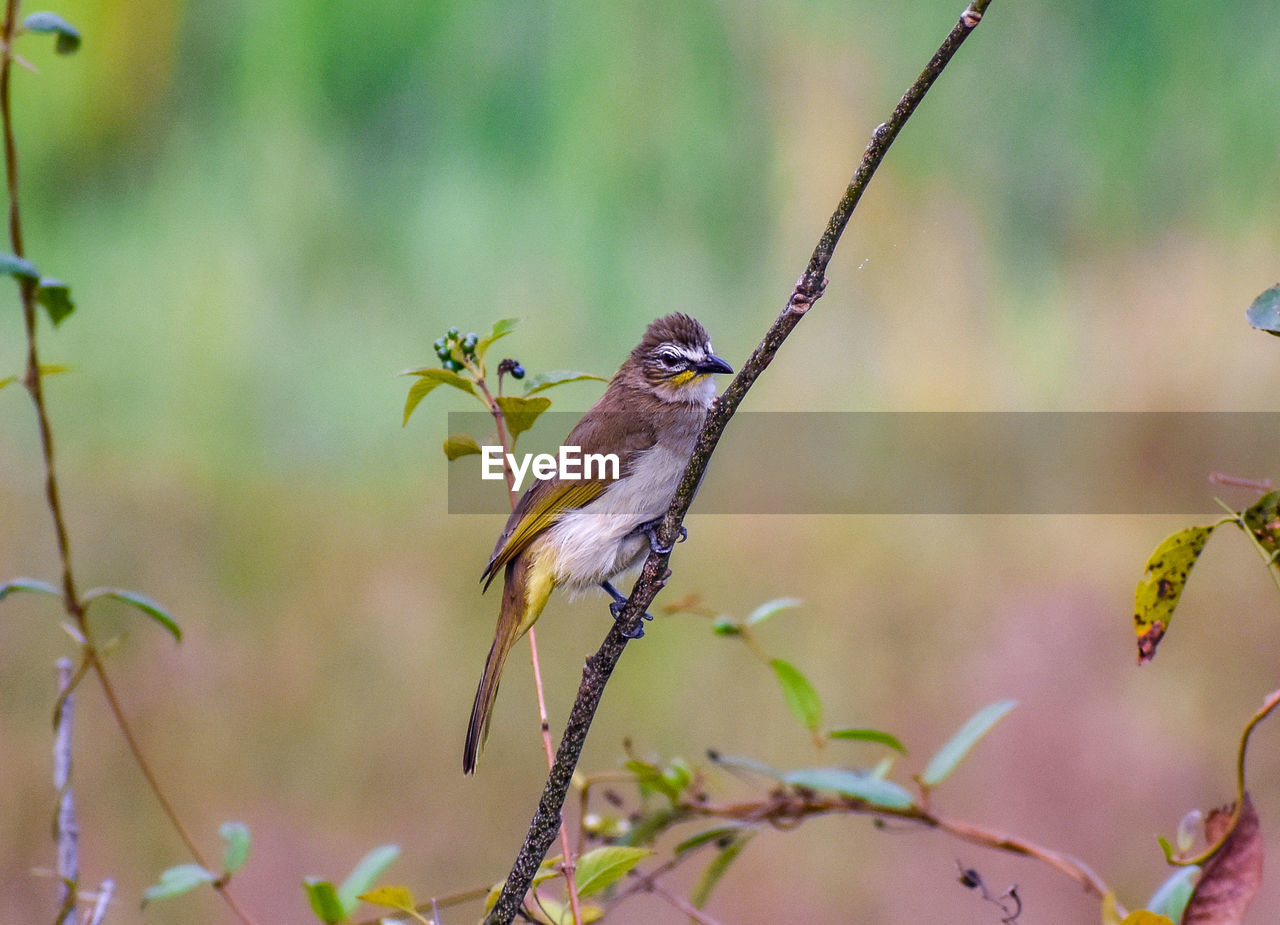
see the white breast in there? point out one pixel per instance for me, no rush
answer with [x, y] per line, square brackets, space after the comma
[600, 541]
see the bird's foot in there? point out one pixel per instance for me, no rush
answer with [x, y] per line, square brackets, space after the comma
[651, 530]
[615, 610]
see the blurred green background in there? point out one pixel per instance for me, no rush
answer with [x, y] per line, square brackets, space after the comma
[267, 210]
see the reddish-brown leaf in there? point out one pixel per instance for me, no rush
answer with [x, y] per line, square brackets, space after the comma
[1231, 877]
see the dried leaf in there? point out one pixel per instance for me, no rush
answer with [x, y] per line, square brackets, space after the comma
[1233, 875]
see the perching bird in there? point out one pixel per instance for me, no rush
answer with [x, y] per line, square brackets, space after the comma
[580, 534]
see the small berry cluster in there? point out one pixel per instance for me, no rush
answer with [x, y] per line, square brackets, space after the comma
[465, 345]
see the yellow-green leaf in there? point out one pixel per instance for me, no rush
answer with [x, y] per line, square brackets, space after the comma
[429, 378]
[869, 735]
[801, 697]
[1143, 917]
[1161, 586]
[458, 445]
[549, 380]
[1110, 912]
[392, 897]
[601, 867]
[520, 413]
[500, 329]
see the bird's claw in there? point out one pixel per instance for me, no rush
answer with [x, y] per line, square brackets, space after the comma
[616, 608]
[651, 531]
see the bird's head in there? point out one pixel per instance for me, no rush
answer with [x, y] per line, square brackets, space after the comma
[674, 361]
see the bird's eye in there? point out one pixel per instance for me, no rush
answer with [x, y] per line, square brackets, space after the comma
[669, 358]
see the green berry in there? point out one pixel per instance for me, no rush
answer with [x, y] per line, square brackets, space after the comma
[452, 365]
[453, 334]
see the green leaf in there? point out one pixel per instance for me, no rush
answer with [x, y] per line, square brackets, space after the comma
[429, 378]
[361, 880]
[951, 754]
[1172, 896]
[30, 585]
[599, 868]
[769, 608]
[720, 833]
[459, 445]
[324, 900]
[1161, 586]
[178, 880]
[650, 776]
[7, 380]
[68, 35]
[500, 329]
[55, 296]
[549, 380]
[143, 603]
[868, 735]
[236, 835]
[399, 898]
[678, 774]
[854, 784]
[646, 828]
[801, 697]
[520, 413]
[1264, 313]
[19, 267]
[716, 869]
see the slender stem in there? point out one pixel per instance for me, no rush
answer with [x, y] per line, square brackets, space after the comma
[500, 420]
[71, 600]
[783, 809]
[546, 820]
[27, 288]
[131, 741]
[544, 721]
[65, 827]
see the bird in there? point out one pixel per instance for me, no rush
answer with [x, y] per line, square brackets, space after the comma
[582, 534]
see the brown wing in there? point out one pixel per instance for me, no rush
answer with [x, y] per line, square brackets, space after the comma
[603, 429]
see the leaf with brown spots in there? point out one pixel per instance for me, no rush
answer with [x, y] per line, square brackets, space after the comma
[1263, 520]
[1233, 874]
[1161, 586]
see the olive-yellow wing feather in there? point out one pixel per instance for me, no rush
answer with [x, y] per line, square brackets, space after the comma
[537, 511]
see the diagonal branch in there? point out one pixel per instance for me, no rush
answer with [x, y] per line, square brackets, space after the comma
[546, 820]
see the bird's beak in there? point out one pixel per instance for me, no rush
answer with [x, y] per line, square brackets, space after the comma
[713, 364]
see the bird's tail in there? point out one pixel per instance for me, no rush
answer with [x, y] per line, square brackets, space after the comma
[524, 594]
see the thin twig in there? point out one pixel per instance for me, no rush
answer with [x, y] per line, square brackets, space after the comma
[785, 808]
[544, 721]
[67, 832]
[100, 903]
[599, 667]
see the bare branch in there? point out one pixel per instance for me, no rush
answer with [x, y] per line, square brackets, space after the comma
[809, 288]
